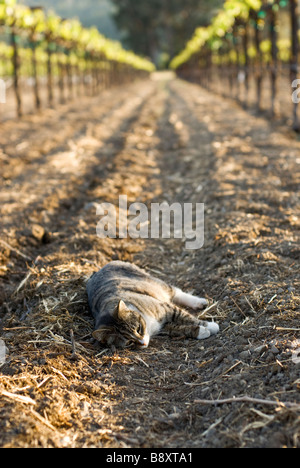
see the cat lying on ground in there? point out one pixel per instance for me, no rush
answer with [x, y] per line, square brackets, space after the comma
[130, 306]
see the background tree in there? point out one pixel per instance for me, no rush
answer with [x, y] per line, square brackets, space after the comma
[159, 29]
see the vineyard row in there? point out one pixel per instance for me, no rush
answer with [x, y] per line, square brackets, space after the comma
[251, 47]
[46, 49]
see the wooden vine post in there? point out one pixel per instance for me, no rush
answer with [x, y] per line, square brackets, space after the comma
[246, 62]
[274, 55]
[233, 66]
[35, 77]
[238, 70]
[294, 13]
[16, 69]
[49, 69]
[210, 71]
[61, 79]
[70, 73]
[258, 61]
[33, 44]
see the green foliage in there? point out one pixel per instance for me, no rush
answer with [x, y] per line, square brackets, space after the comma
[96, 13]
[220, 31]
[68, 35]
[154, 28]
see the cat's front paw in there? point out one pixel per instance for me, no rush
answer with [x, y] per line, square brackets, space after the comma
[207, 330]
[213, 328]
[203, 333]
[198, 303]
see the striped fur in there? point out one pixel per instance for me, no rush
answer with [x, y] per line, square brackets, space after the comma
[129, 305]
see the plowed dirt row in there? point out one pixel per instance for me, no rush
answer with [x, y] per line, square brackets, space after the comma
[154, 141]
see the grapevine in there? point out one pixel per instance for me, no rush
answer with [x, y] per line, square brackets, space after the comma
[243, 41]
[41, 45]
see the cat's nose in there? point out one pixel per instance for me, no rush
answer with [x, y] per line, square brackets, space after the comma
[144, 342]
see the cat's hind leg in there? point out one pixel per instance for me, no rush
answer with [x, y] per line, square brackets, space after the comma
[188, 300]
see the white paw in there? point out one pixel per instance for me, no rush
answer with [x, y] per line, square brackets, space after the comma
[203, 333]
[198, 303]
[213, 328]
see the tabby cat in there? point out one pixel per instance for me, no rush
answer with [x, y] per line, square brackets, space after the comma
[130, 306]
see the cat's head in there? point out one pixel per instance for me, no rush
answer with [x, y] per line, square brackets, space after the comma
[128, 327]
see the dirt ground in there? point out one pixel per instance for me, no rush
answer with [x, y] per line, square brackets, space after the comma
[154, 141]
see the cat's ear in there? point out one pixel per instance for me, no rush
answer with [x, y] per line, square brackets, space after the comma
[122, 310]
[100, 334]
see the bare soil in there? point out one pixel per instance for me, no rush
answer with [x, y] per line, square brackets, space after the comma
[154, 141]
